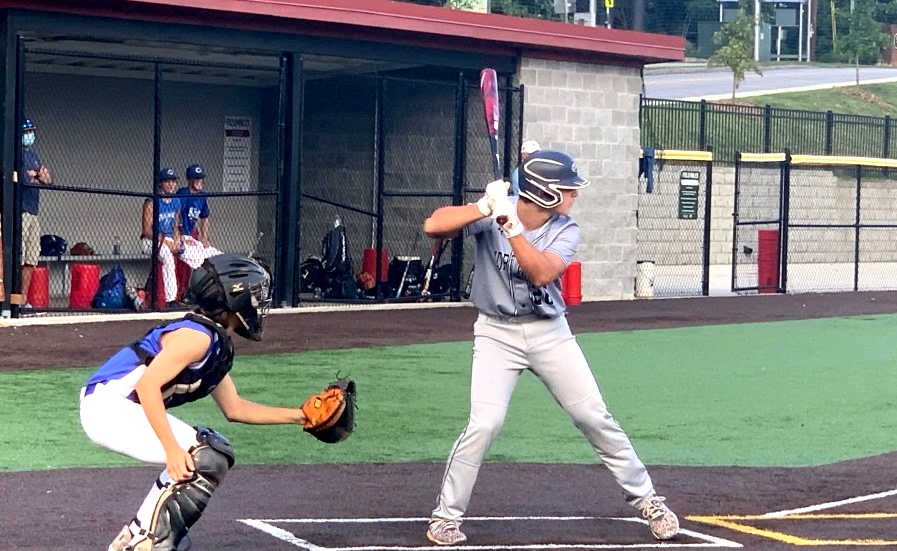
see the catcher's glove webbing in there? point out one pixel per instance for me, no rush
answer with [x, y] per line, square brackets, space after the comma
[330, 414]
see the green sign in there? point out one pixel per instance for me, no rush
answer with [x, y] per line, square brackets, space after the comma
[689, 189]
[608, 3]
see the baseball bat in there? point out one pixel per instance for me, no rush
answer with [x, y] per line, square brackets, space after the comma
[492, 117]
[491, 114]
[439, 246]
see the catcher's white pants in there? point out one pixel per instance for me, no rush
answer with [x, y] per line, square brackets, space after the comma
[118, 424]
[501, 351]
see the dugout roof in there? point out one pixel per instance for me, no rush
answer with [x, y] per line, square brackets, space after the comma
[397, 23]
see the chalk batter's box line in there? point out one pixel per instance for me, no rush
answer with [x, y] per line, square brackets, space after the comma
[736, 522]
[267, 526]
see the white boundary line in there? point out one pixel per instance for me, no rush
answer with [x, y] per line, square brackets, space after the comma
[830, 504]
[164, 315]
[265, 525]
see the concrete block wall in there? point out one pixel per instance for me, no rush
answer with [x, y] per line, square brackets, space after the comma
[591, 112]
[819, 195]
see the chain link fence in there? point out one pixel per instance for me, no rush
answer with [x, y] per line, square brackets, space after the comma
[675, 196]
[375, 167]
[815, 223]
[88, 229]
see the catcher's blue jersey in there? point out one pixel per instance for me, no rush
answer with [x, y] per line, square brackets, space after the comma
[195, 381]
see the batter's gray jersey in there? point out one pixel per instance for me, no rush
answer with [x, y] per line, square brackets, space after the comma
[500, 287]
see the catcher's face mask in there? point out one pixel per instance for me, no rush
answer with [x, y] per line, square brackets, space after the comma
[252, 318]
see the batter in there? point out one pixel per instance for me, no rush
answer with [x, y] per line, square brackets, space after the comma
[522, 325]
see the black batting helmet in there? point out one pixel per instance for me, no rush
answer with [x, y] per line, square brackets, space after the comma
[546, 172]
[233, 283]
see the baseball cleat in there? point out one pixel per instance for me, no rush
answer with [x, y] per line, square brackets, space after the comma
[664, 523]
[121, 541]
[445, 532]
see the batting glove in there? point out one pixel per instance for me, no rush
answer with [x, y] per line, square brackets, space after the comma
[505, 215]
[495, 190]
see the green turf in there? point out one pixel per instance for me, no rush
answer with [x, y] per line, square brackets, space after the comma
[785, 393]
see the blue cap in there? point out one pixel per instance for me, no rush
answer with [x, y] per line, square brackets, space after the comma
[28, 125]
[195, 172]
[167, 174]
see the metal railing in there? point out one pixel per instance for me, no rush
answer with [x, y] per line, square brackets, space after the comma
[727, 128]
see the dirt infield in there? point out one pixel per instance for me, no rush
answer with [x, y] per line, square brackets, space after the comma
[381, 507]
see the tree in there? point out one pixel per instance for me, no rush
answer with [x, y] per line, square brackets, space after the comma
[864, 41]
[736, 41]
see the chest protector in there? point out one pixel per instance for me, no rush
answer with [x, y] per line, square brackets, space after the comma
[191, 384]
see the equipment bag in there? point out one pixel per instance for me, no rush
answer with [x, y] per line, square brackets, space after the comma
[111, 292]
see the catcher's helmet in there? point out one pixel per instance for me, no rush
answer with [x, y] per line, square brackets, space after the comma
[235, 283]
[546, 172]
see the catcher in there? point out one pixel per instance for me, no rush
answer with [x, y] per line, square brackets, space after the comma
[125, 404]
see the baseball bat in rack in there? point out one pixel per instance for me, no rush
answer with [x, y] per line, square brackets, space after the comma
[2, 286]
[439, 246]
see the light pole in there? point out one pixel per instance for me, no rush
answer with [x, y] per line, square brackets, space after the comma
[756, 30]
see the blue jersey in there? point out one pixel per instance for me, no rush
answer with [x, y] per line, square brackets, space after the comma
[169, 207]
[122, 371]
[193, 207]
[515, 181]
[30, 195]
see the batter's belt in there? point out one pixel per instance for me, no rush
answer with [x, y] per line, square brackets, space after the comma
[515, 319]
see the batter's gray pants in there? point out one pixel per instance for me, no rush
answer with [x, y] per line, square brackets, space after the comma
[501, 351]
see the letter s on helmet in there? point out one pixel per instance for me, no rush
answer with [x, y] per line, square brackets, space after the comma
[545, 173]
[235, 283]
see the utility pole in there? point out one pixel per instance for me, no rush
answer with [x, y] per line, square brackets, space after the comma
[810, 29]
[756, 30]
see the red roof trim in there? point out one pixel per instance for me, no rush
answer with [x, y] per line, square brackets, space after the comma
[462, 27]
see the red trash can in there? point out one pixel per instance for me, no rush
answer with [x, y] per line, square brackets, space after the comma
[39, 290]
[369, 263]
[85, 282]
[571, 284]
[768, 261]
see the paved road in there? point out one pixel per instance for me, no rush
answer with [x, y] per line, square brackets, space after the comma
[698, 83]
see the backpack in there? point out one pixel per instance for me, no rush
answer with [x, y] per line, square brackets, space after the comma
[111, 292]
[338, 278]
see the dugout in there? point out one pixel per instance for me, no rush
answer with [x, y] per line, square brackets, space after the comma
[300, 112]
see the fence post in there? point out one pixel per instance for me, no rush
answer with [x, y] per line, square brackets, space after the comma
[767, 128]
[458, 178]
[829, 131]
[784, 222]
[708, 219]
[886, 138]
[702, 130]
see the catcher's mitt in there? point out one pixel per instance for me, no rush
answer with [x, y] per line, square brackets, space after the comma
[330, 414]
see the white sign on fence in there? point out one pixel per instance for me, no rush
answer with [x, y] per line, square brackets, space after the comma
[237, 154]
